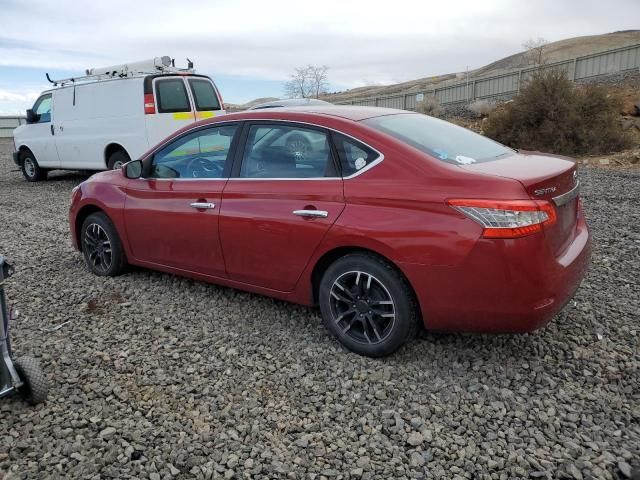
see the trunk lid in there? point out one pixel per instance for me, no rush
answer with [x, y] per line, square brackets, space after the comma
[544, 177]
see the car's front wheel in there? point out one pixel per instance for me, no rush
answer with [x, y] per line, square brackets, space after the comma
[367, 304]
[101, 246]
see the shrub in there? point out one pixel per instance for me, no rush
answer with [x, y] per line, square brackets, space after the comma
[551, 114]
[481, 108]
[430, 106]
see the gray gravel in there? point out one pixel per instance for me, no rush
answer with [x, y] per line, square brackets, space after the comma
[161, 377]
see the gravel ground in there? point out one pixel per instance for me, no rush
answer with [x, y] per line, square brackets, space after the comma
[161, 377]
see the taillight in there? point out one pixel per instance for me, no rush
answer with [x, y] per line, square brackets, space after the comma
[149, 103]
[507, 218]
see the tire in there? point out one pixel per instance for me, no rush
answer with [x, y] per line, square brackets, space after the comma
[117, 159]
[34, 387]
[30, 169]
[101, 246]
[385, 314]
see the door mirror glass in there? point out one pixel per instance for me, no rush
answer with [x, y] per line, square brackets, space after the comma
[133, 169]
[31, 116]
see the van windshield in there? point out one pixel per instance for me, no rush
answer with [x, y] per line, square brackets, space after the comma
[439, 139]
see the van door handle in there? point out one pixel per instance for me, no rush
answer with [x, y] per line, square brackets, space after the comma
[203, 205]
[311, 213]
[52, 130]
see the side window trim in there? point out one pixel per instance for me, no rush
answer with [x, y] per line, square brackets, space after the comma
[242, 146]
[229, 162]
[158, 97]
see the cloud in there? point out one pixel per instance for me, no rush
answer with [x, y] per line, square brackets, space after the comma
[362, 42]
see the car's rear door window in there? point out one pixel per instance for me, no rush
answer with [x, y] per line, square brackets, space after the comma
[171, 95]
[287, 151]
[204, 94]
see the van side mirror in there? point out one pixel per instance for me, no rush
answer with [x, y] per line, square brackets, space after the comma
[32, 117]
[133, 169]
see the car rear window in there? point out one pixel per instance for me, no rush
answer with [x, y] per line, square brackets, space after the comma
[442, 140]
[172, 96]
[204, 94]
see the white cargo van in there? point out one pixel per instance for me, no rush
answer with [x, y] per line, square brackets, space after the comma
[110, 116]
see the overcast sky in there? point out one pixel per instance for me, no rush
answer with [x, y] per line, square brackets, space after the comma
[251, 46]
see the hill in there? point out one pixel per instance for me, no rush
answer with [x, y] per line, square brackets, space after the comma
[554, 51]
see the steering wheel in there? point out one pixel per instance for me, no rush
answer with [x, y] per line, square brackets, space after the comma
[201, 167]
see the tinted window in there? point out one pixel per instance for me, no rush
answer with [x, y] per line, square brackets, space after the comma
[202, 154]
[204, 94]
[284, 151]
[440, 139]
[42, 108]
[172, 96]
[354, 156]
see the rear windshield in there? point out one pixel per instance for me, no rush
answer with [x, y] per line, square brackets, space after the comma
[172, 96]
[440, 139]
[204, 95]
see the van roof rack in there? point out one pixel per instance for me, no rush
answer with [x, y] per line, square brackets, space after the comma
[154, 65]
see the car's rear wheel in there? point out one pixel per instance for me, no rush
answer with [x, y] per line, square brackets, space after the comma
[117, 159]
[30, 169]
[101, 246]
[367, 304]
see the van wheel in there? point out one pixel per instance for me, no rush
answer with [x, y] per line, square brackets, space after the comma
[117, 160]
[30, 168]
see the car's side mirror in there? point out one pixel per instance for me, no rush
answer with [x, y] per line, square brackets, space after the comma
[32, 117]
[133, 169]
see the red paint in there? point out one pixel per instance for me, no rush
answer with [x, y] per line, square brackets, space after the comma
[399, 209]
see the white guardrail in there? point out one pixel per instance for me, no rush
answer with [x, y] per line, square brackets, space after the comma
[8, 123]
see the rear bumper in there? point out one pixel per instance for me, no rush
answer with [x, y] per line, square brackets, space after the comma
[16, 158]
[503, 285]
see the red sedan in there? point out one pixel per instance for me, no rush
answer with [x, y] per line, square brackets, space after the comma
[386, 219]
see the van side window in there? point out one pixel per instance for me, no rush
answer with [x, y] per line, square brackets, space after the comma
[354, 156]
[42, 108]
[204, 94]
[172, 96]
[201, 154]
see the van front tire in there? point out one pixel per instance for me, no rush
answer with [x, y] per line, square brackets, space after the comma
[117, 160]
[31, 171]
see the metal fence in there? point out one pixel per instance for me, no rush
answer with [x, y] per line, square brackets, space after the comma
[508, 84]
[8, 123]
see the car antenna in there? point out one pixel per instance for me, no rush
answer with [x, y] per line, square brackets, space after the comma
[189, 64]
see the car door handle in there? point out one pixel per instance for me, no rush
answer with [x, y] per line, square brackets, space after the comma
[203, 205]
[311, 213]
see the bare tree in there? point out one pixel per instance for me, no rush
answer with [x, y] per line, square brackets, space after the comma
[536, 50]
[307, 82]
[319, 80]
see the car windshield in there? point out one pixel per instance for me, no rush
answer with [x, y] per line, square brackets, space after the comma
[442, 140]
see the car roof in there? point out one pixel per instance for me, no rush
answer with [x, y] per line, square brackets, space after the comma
[289, 102]
[348, 112]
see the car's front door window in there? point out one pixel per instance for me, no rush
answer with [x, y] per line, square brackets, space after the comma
[202, 154]
[287, 151]
[42, 108]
